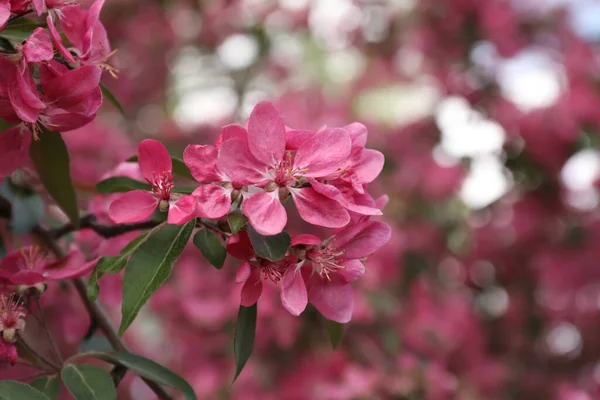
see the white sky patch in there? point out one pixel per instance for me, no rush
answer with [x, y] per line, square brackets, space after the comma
[238, 51]
[344, 66]
[530, 80]
[578, 175]
[486, 182]
[564, 339]
[465, 132]
[398, 105]
[331, 20]
[585, 19]
[205, 106]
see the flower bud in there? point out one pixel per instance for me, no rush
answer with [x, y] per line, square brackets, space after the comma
[226, 185]
[283, 193]
[163, 206]
[235, 194]
[270, 187]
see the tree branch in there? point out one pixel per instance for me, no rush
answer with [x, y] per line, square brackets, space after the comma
[97, 314]
[106, 231]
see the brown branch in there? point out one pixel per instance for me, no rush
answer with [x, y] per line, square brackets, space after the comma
[97, 313]
[106, 231]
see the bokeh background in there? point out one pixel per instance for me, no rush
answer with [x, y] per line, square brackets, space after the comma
[488, 113]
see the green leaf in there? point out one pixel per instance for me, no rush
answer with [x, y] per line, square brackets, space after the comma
[148, 369]
[211, 247]
[88, 382]
[51, 160]
[112, 265]
[179, 167]
[27, 207]
[236, 221]
[119, 184]
[149, 266]
[243, 341]
[108, 94]
[272, 248]
[11, 390]
[183, 189]
[335, 331]
[48, 385]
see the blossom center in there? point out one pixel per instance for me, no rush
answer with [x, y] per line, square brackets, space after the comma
[285, 174]
[325, 261]
[162, 184]
[11, 313]
[272, 271]
[32, 258]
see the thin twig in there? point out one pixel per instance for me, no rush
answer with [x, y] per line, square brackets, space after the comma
[106, 231]
[48, 334]
[41, 358]
[94, 309]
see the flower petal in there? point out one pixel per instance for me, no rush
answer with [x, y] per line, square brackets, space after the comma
[133, 206]
[239, 246]
[58, 41]
[153, 159]
[23, 97]
[14, 149]
[182, 210]
[38, 47]
[305, 239]
[266, 133]
[73, 87]
[358, 133]
[294, 296]
[367, 165]
[363, 238]
[239, 165]
[243, 273]
[214, 201]
[334, 301]
[265, 212]
[320, 210]
[295, 138]
[334, 193]
[324, 153]
[353, 269]
[252, 288]
[74, 266]
[202, 162]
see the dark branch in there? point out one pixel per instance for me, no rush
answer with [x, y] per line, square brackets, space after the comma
[106, 231]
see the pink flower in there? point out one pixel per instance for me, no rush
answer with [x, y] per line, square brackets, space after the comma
[334, 263]
[262, 160]
[86, 33]
[12, 320]
[70, 97]
[137, 205]
[252, 273]
[30, 266]
[215, 196]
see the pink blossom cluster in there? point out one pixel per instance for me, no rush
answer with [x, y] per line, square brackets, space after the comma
[256, 169]
[43, 91]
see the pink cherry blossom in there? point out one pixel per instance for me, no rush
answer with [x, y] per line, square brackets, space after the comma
[86, 33]
[333, 264]
[30, 266]
[263, 161]
[137, 205]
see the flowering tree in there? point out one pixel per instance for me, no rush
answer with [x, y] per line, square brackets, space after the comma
[200, 201]
[51, 84]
